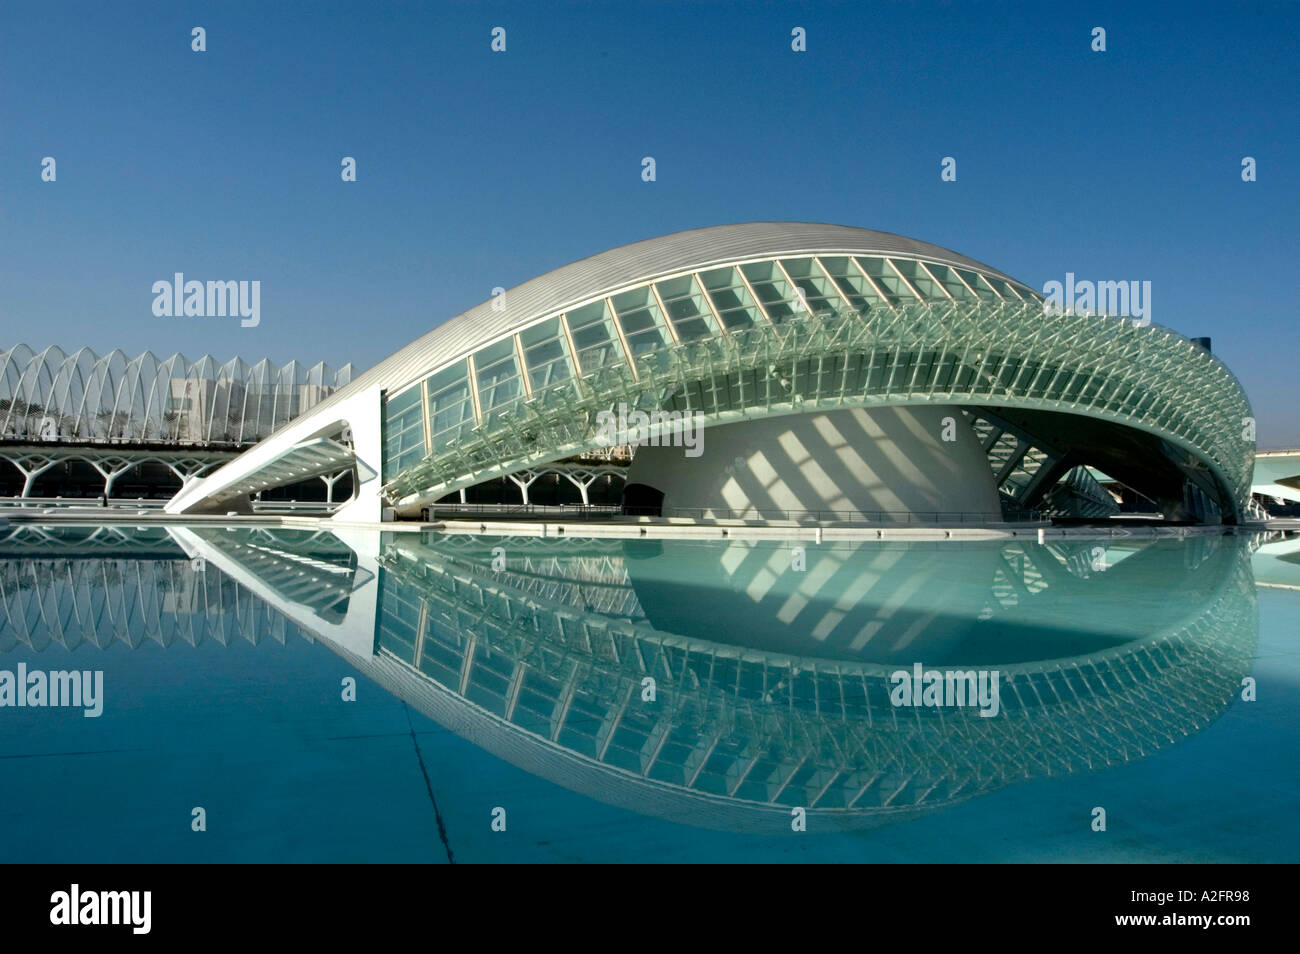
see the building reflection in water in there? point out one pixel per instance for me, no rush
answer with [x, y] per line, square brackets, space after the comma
[770, 665]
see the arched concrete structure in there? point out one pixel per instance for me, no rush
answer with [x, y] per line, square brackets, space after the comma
[744, 323]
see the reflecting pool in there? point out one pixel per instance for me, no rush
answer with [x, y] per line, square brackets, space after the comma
[294, 695]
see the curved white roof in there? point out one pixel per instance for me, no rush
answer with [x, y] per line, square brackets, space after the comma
[602, 273]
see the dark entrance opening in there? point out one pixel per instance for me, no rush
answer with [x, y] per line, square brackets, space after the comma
[642, 500]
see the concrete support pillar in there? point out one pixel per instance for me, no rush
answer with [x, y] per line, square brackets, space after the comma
[110, 469]
[582, 485]
[329, 480]
[39, 466]
[522, 484]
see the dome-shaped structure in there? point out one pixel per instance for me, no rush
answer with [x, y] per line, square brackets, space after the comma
[797, 343]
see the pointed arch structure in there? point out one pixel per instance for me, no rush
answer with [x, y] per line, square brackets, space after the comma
[116, 412]
[52, 396]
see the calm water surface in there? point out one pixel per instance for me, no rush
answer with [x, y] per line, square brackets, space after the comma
[647, 701]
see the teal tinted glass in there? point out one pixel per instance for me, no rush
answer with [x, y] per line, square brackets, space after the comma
[638, 316]
[498, 376]
[887, 280]
[853, 285]
[734, 304]
[451, 407]
[594, 337]
[818, 290]
[774, 292]
[546, 353]
[920, 279]
[403, 430]
[687, 309]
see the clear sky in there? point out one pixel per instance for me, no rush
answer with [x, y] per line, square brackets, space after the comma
[477, 169]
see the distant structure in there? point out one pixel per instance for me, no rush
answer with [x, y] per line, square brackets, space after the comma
[1276, 481]
[85, 425]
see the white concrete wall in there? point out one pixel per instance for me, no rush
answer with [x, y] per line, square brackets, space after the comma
[362, 412]
[879, 459]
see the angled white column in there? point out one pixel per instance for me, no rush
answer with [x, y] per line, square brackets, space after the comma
[257, 468]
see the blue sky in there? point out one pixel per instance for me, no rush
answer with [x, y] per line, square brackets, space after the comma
[478, 169]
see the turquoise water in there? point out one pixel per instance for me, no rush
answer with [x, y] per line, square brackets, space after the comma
[504, 679]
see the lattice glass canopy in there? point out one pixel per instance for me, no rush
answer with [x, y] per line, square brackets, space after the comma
[796, 333]
[51, 396]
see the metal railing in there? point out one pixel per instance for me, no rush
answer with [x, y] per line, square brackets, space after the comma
[600, 512]
[566, 511]
[154, 503]
[931, 518]
[119, 503]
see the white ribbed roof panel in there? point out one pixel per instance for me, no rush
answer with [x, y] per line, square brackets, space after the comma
[600, 274]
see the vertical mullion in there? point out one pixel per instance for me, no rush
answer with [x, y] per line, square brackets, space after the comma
[904, 279]
[573, 349]
[713, 309]
[663, 310]
[934, 278]
[523, 368]
[622, 338]
[880, 290]
[428, 418]
[472, 372]
[758, 302]
[799, 294]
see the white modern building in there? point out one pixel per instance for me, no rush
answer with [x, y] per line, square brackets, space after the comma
[833, 371]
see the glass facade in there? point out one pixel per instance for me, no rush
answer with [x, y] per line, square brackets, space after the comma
[451, 405]
[639, 317]
[594, 336]
[632, 325]
[51, 396]
[404, 429]
[499, 378]
[546, 353]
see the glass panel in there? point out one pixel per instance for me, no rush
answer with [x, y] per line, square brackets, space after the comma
[894, 287]
[451, 407]
[773, 291]
[1002, 288]
[498, 377]
[948, 278]
[982, 288]
[855, 289]
[594, 337]
[731, 298]
[403, 431]
[638, 315]
[546, 353]
[687, 309]
[819, 292]
[920, 278]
